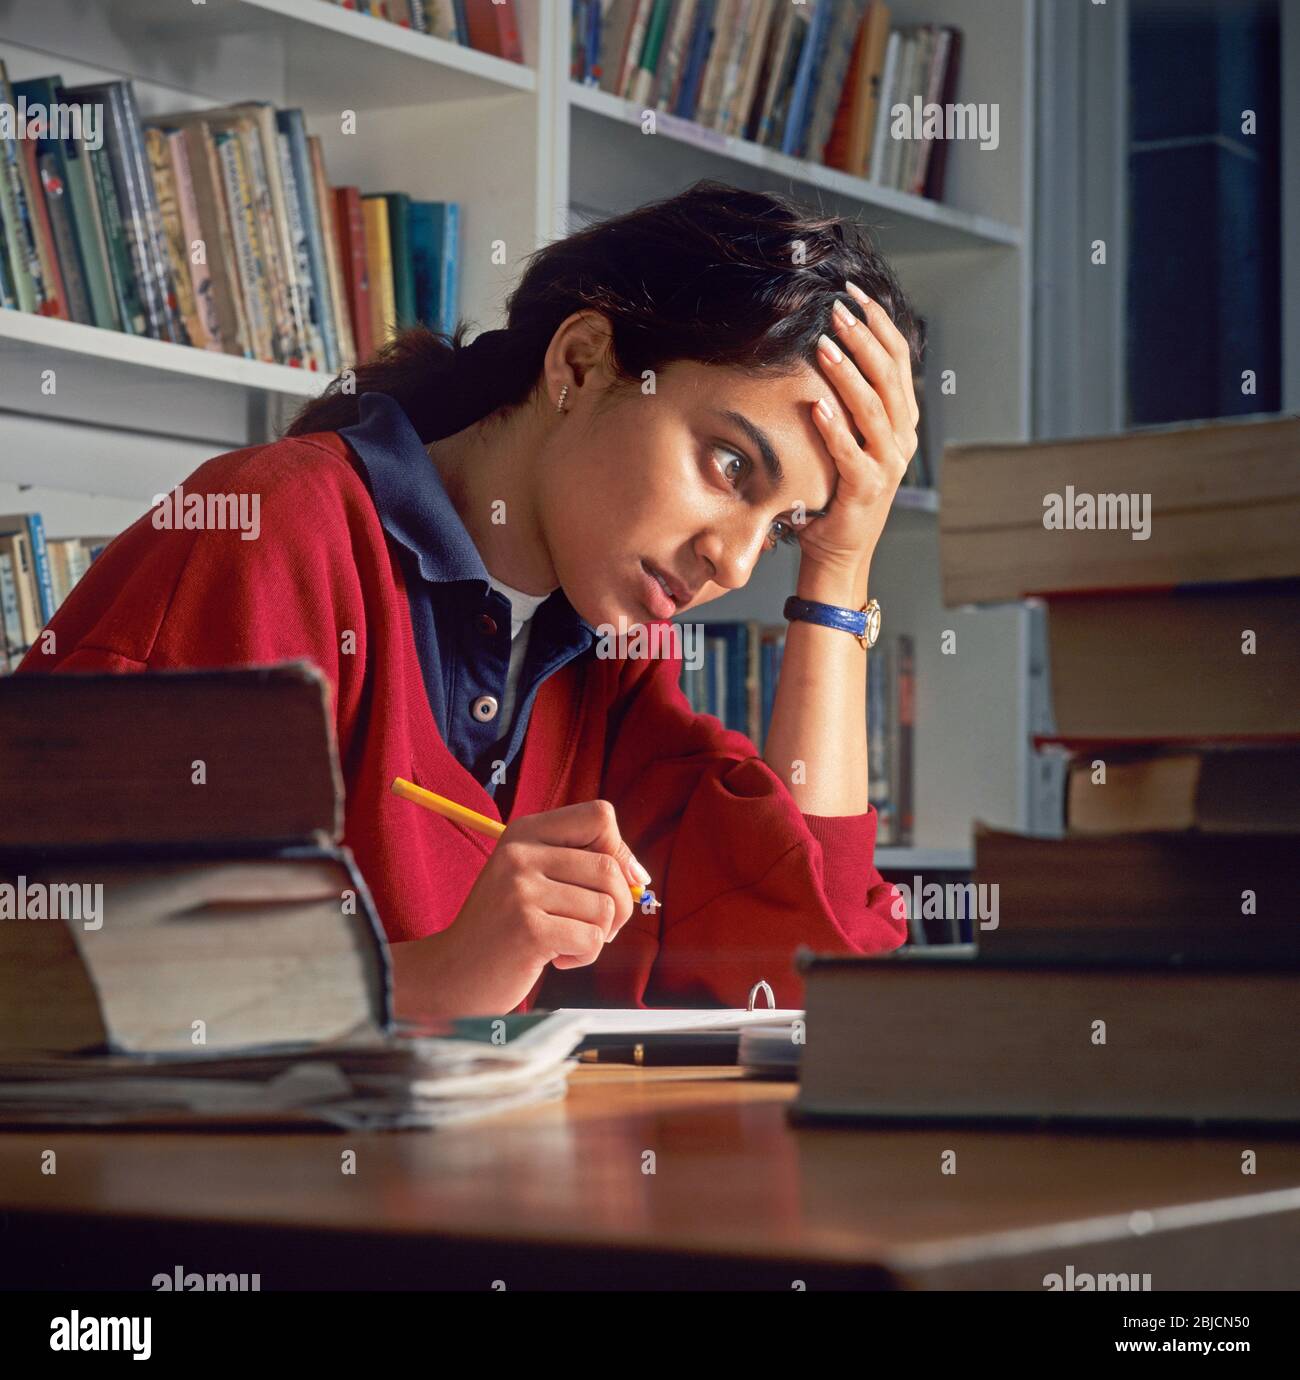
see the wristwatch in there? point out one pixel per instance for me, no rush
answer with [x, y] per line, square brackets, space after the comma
[863, 623]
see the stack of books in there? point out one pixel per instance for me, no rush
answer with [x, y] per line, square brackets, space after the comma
[182, 939]
[213, 228]
[829, 82]
[488, 26]
[36, 575]
[1170, 574]
[1144, 964]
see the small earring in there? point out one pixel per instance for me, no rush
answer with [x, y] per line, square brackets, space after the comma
[564, 393]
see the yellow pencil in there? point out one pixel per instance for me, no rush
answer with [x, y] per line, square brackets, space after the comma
[462, 814]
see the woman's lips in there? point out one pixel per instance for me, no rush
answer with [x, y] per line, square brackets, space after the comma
[654, 596]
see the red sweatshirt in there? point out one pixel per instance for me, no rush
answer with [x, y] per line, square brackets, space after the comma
[743, 875]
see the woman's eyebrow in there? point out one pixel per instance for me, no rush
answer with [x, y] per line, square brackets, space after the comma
[766, 451]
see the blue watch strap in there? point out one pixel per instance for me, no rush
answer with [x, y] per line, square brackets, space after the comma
[828, 615]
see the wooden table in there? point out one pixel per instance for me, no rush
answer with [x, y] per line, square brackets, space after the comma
[683, 1178]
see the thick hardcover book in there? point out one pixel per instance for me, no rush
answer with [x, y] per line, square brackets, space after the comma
[947, 1035]
[108, 760]
[1198, 503]
[1202, 896]
[170, 876]
[1197, 662]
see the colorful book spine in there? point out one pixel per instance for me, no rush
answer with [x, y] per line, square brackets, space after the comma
[350, 220]
[19, 231]
[126, 293]
[164, 185]
[31, 526]
[58, 206]
[292, 126]
[286, 342]
[88, 222]
[54, 301]
[425, 234]
[336, 304]
[449, 297]
[243, 226]
[380, 266]
[209, 335]
[309, 299]
[13, 644]
[51, 168]
[124, 145]
[399, 238]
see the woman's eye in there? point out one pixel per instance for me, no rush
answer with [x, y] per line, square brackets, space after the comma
[733, 477]
[786, 535]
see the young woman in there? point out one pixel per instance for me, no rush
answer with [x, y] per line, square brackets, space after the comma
[445, 533]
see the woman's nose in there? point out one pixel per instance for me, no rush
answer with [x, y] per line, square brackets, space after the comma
[732, 553]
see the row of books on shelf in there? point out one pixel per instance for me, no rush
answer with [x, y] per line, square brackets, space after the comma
[736, 683]
[489, 26]
[817, 82]
[36, 575]
[214, 228]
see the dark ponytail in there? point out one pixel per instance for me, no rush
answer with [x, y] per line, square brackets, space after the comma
[717, 275]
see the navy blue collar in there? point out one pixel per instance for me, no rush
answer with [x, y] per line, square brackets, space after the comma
[415, 509]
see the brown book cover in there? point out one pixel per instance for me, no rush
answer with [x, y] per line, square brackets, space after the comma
[351, 227]
[1228, 790]
[109, 761]
[1205, 503]
[849, 145]
[1213, 896]
[1194, 663]
[973, 1038]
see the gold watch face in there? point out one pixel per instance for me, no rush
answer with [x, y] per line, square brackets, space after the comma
[873, 623]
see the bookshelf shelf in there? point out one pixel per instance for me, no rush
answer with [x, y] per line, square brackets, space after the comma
[922, 225]
[297, 52]
[119, 380]
[916, 501]
[925, 859]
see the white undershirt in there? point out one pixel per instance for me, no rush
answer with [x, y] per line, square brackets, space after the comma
[522, 608]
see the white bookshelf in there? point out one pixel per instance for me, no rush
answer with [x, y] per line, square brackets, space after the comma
[529, 153]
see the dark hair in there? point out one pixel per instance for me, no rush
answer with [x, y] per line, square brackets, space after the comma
[716, 274]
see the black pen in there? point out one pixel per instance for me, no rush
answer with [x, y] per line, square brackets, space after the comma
[707, 1047]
